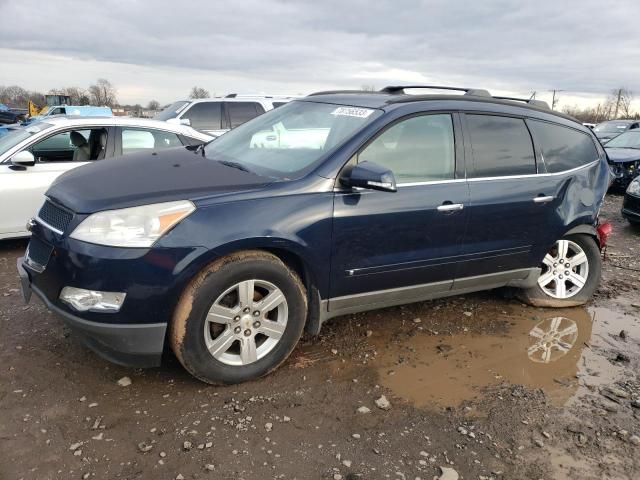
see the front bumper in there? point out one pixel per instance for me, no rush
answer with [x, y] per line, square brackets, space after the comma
[134, 345]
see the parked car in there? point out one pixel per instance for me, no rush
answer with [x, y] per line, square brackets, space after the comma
[230, 250]
[631, 202]
[81, 110]
[32, 157]
[605, 131]
[12, 115]
[624, 157]
[218, 115]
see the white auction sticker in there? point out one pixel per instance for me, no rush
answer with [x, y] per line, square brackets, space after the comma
[352, 112]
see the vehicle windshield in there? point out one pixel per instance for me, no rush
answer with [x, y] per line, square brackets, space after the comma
[611, 127]
[284, 142]
[630, 139]
[171, 111]
[14, 137]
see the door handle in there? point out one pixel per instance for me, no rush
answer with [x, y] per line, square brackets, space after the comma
[450, 207]
[544, 199]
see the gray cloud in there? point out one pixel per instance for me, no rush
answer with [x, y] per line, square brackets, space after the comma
[584, 46]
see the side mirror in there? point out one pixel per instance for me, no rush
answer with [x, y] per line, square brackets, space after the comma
[179, 121]
[23, 159]
[371, 176]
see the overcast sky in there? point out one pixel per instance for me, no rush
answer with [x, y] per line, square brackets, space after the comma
[159, 49]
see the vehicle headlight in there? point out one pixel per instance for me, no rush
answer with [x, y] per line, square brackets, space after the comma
[634, 187]
[132, 227]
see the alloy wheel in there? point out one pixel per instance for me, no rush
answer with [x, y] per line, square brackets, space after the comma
[565, 270]
[246, 322]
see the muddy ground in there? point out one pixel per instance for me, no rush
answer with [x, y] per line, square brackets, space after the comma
[470, 385]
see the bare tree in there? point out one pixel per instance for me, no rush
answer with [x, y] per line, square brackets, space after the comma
[199, 92]
[154, 105]
[619, 103]
[103, 93]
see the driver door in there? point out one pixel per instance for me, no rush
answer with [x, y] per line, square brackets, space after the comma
[391, 248]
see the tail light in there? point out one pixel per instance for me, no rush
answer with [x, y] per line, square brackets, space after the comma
[604, 230]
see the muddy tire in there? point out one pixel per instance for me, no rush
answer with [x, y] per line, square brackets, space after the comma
[570, 274]
[239, 319]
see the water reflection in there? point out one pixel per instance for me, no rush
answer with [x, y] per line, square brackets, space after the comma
[540, 349]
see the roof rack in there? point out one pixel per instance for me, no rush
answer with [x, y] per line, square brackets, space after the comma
[335, 92]
[395, 89]
[236, 95]
[529, 101]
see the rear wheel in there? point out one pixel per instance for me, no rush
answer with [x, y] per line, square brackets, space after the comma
[570, 273]
[239, 319]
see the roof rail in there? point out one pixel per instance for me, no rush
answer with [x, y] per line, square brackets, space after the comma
[334, 92]
[529, 101]
[468, 91]
[237, 95]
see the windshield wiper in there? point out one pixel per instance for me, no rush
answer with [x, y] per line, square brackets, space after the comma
[200, 149]
[237, 165]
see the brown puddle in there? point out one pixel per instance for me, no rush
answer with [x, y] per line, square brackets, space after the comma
[558, 350]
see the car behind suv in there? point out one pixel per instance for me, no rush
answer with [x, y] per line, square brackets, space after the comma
[332, 204]
[218, 115]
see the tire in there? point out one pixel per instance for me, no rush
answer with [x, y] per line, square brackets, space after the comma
[219, 316]
[548, 291]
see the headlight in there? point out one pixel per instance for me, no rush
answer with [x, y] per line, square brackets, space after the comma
[132, 227]
[634, 187]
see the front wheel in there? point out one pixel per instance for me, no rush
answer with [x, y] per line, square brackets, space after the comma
[239, 318]
[570, 274]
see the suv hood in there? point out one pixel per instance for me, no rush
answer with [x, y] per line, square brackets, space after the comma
[143, 178]
[619, 155]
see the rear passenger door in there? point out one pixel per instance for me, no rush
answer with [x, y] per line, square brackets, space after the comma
[509, 203]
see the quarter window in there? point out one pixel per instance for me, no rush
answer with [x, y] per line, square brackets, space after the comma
[205, 115]
[240, 112]
[138, 140]
[418, 149]
[563, 148]
[501, 146]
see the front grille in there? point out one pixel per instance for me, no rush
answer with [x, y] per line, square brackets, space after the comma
[55, 216]
[38, 253]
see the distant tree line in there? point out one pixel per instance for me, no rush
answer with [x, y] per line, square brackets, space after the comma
[616, 105]
[101, 93]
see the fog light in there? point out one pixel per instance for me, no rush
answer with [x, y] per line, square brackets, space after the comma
[92, 300]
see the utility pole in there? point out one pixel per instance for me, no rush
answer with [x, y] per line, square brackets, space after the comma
[553, 100]
[615, 115]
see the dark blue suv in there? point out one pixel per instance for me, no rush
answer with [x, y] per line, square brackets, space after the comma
[336, 203]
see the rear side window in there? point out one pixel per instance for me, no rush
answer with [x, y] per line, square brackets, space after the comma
[501, 146]
[562, 148]
[139, 140]
[205, 115]
[240, 112]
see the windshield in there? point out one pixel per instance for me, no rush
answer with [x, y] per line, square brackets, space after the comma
[285, 141]
[171, 111]
[14, 137]
[630, 139]
[611, 127]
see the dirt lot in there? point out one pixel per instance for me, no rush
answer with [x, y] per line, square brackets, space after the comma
[470, 385]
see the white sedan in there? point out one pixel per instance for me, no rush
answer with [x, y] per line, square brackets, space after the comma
[31, 158]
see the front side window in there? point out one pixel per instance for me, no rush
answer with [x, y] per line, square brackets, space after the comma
[71, 146]
[287, 141]
[564, 148]
[419, 149]
[205, 115]
[140, 140]
[501, 146]
[241, 112]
